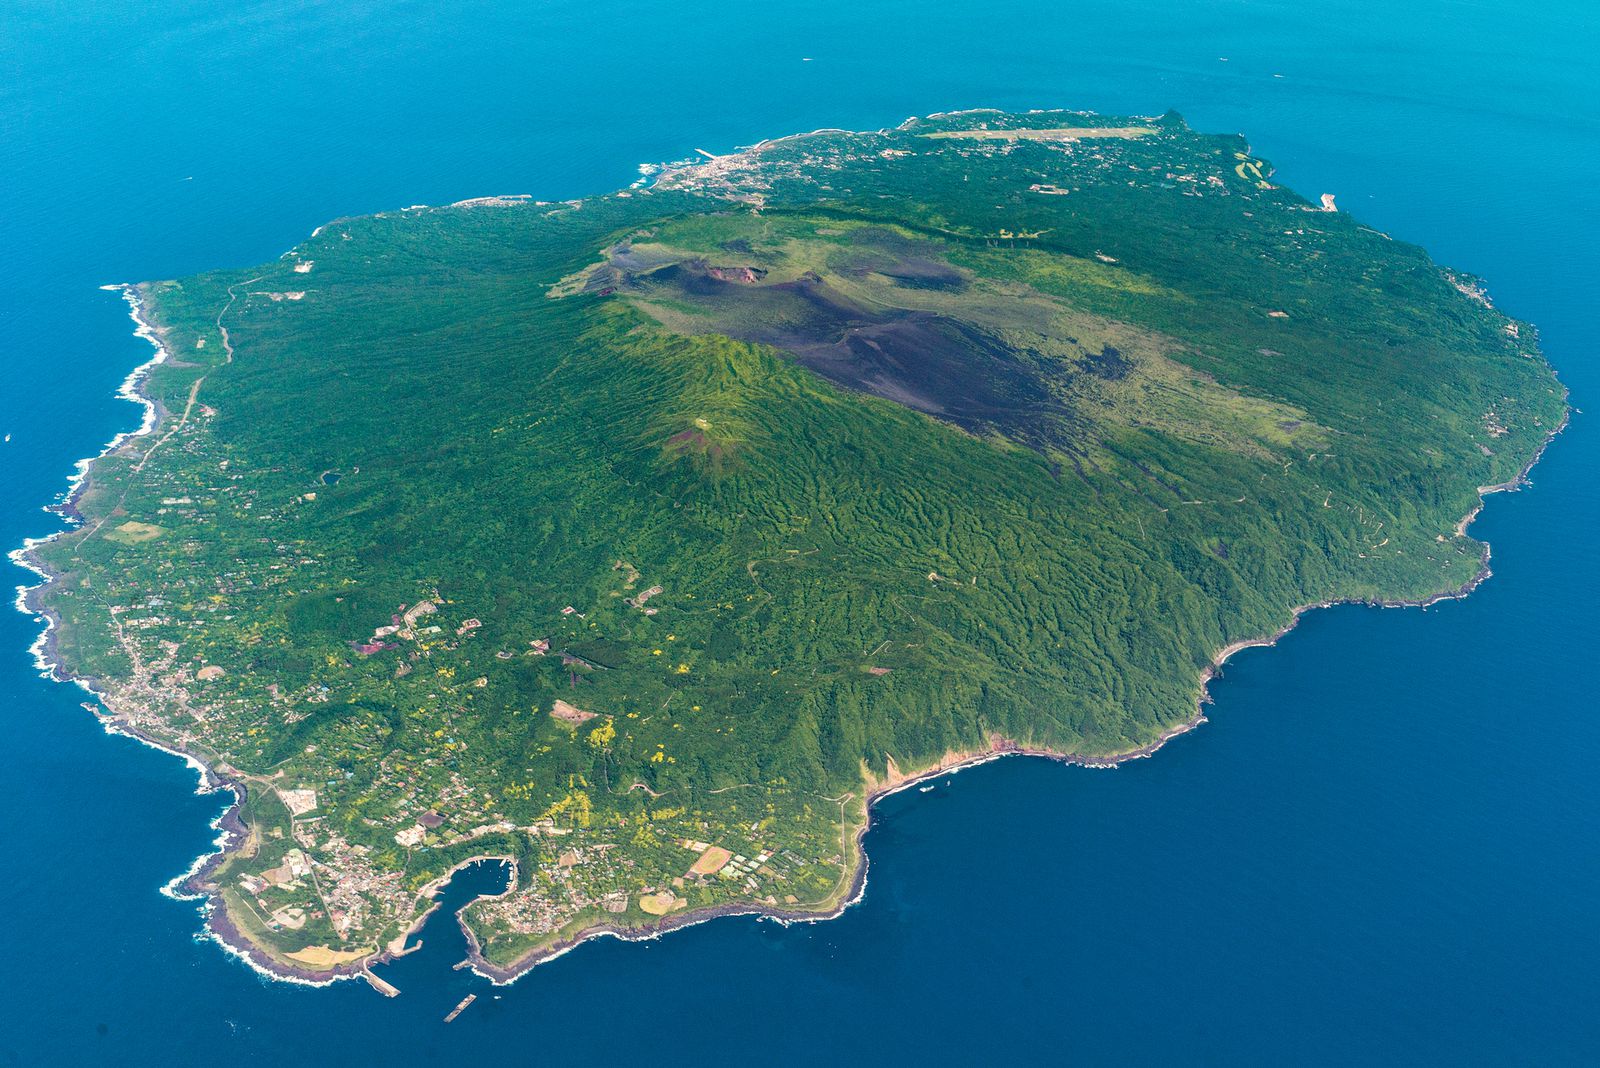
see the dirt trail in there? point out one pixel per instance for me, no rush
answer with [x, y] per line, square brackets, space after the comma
[194, 390]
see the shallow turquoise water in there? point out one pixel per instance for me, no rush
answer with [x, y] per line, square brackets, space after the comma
[1383, 847]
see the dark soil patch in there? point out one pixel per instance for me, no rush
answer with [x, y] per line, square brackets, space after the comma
[926, 361]
[1107, 363]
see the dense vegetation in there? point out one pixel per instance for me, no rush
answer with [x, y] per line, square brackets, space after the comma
[793, 471]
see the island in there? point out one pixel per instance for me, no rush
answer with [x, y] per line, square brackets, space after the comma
[642, 541]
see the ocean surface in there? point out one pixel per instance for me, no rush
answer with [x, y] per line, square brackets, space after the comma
[1383, 847]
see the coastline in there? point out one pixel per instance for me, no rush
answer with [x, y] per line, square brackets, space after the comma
[195, 884]
[189, 885]
[953, 763]
[999, 747]
[65, 505]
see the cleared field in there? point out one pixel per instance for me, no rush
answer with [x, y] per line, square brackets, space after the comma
[711, 861]
[132, 533]
[327, 957]
[568, 713]
[1058, 133]
[660, 904]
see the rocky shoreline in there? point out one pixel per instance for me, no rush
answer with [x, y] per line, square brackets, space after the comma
[193, 884]
[999, 747]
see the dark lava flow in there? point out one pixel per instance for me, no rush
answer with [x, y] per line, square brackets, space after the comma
[933, 363]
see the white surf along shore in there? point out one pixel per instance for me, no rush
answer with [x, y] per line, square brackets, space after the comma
[44, 661]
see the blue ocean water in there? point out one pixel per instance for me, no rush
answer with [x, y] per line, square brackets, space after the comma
[1384, 847]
